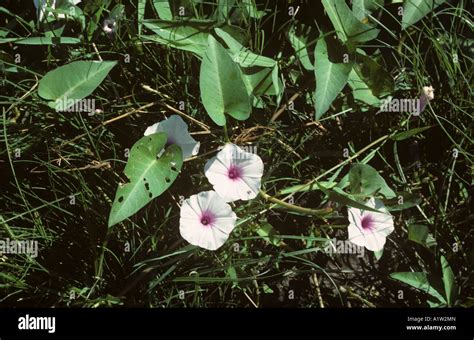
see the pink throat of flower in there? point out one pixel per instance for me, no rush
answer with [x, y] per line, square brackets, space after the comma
[234, 173]
[367, 222]
[170, 141]
[207, 219]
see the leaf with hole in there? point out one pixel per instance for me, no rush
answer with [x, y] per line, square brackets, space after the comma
[73, 81]
[150, 170]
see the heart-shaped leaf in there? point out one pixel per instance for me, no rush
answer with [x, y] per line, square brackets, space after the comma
[150, 173]
[223, 89]
[73, 81]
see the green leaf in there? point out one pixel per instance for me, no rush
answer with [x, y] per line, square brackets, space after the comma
[409, 201]
[377, 79]
[184, 35]
[407, 134]
[259, 81]
[449, 283]
[223, 90]
[224, 9]
[241, 54]
[361, 91]
[277, 84]
[267, 232]
[266, 289]
[365, 180]
[419, 281]
[73, 81]
[339, 196]
[251, 9]
[347, 26]
[149, 172]
[300, 45]
[164, 9]
[95, 9]
[363, 8]
[415, 10]
[330, 78]
[141, 14]
[418, 233]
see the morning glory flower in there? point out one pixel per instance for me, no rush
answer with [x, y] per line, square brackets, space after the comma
[370, 229]
[206, 220]
[234, 173]
[177, 131]
[109, 27]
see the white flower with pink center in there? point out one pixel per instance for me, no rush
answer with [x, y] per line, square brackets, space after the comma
[370, 229]
[206, 220]
[235, 173]
[177, 131]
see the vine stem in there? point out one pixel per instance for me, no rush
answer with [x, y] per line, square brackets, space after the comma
[295, 208]
[226, 134]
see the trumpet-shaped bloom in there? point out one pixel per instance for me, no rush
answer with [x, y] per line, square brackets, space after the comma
[234, 173]
[206, 220]
[370, 229]
[177, 131]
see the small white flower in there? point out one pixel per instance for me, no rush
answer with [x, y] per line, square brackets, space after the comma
[206, 220]
[428, 92]
[234, 173]
[177, 131]
[109, 26]
[370, 229]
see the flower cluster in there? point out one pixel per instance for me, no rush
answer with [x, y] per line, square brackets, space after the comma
[206, 218]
